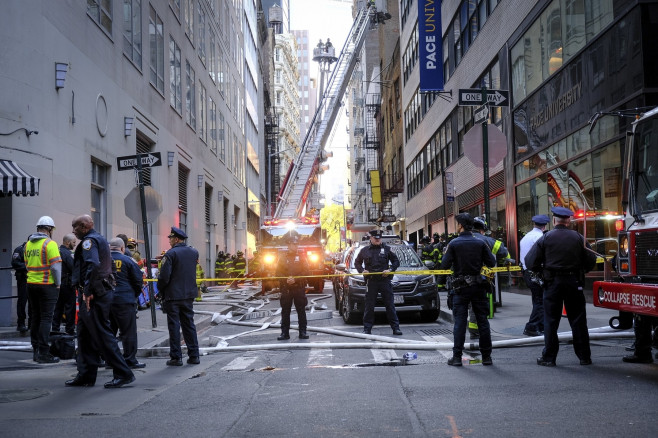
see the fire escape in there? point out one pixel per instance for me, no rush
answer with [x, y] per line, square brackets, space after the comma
[382, 212]
[272, 154]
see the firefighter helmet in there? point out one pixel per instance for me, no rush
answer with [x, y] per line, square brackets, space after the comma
[479, 223]
[45, 221]
[239, 253]
[435, 235]
[425, 239]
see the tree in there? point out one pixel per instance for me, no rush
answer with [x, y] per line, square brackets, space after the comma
[332, 217]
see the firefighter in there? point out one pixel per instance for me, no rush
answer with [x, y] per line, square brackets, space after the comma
[499, 251]
[255, 265]
[466, 255]
[438, 249]
[44, 272]
[201, 286]
[239, 266]
[426, 250]
[221, 265]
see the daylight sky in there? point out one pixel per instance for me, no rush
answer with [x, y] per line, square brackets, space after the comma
[327, 19]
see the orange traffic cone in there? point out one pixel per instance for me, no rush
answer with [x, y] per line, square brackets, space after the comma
[564, 311]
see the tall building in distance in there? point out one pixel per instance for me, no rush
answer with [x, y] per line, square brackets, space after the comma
[307, 84]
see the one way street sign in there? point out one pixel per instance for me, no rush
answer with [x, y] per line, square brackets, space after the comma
[473, 97]
[130, 161]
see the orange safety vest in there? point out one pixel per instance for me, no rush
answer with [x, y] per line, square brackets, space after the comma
[40, 255]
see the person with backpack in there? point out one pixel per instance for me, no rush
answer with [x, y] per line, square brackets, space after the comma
[20, 271]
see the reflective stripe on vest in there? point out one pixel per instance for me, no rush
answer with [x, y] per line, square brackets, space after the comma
[496, 247]
[38, 265]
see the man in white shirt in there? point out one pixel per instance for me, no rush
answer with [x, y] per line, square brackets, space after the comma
[535, 325]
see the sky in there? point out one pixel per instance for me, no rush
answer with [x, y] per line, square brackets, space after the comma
[327, 19]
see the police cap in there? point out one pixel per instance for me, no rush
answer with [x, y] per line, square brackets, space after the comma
[465, 220]
[562, 212]
[377, 234]
[177, 232]
[540, 219]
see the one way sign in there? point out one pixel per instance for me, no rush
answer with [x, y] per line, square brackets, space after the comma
[130, 161]
[473, 97]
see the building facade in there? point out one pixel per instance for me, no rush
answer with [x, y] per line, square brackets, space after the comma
[102, 80]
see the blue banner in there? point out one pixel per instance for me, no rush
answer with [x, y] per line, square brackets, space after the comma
[430, 45]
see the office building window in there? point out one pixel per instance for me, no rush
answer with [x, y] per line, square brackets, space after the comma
[99, 196]
[183, 176]
[190, 95]
[101, 12]
[156, 49]
[202, 35]
[175, 76]
[189, 19]
[203, 111]
[212, 116]
[132, 31]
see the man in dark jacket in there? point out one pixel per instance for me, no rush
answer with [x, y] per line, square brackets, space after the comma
[66, 299]
[466, 255]
[376, 258]
[92, 276]
[178, 289]
[123, 317]
[563, 257]
[20, 271]
[293, 289]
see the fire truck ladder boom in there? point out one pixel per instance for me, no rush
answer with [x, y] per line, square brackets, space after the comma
[305, 166]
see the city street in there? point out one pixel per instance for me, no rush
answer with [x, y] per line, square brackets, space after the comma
[267, 390]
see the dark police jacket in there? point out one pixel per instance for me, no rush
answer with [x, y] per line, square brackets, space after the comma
[92, 270]
[18, 262]
[177, 278]
[128, 277]
[292, 265]
[467, 255]
[376, 258]
[560, 252]
[67, 265]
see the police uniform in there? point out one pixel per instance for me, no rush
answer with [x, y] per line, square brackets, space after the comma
[466, 255]
[535, 324]
[92, 275]
[563, 259]
[124, 304]
[43, 264]
[66, 299]
[376, 258]
[20, 271]
[293, 290]
[177, 286]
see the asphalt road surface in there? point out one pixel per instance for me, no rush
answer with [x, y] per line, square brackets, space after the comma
[259, 391]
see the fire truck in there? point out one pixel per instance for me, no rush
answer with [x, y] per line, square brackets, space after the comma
[294, 211]
[635, 289]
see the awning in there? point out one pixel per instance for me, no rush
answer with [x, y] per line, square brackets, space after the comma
[16, 181]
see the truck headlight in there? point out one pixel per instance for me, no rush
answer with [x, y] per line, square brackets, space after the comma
[623, 245]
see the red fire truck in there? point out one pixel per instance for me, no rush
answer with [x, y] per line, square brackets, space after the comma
[635, 289]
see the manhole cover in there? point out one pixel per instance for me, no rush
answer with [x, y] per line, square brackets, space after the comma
[14, 395]
[436, 332]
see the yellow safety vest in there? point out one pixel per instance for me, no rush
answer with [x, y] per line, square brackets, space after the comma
[40, 255]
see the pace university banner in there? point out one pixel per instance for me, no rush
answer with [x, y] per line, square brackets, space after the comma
[430, 45]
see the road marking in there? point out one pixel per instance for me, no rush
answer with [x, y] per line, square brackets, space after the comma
[383, 355]
[240, 363]
[445, 353]
[319, 356]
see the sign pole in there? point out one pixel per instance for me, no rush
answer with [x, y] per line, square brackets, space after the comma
[485, 158]
[445, 205]
[147, 243]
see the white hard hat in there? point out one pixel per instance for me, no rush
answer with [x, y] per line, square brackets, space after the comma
[45, 221]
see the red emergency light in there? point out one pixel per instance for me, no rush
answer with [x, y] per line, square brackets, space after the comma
[619, 225]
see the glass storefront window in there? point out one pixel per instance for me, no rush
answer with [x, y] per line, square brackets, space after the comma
[573, 27]
[598, 14]
[550, 37]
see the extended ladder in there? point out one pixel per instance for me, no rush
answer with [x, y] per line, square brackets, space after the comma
[304, 168]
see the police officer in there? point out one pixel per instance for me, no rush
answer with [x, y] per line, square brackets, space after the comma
[20, 271]
[535, 324]
[466, 255]
[92, 275]
[177, 286]
[124, 304]
[293, 290]
[375, 258]
[66, 299]
[642, 326]
[44, 270]
[563, 256]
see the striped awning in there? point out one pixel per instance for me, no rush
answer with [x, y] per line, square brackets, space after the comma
[16, 181]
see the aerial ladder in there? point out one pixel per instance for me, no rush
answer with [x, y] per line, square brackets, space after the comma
[299, 179]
